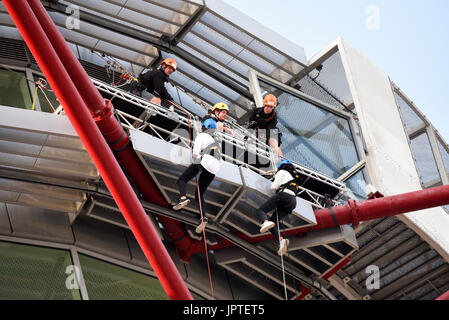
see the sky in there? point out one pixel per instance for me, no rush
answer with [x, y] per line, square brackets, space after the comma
[407, 39]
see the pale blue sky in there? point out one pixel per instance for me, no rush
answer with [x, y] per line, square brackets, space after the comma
[411, 45]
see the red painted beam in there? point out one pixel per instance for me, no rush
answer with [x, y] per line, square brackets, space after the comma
[334, 270]
[444, 296]
[114, 134]
[83, 123]
[355, 212]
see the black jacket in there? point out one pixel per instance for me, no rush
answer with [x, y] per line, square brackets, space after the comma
[267, 122]
[260, 120]
[154, 82]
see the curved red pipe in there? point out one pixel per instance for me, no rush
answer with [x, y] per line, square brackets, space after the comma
[114, 133]
[77, 111]
[355, 212]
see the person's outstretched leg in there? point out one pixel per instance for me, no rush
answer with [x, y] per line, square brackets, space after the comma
[286, 204]
[182, 181]
[204, 181]
[261, 213]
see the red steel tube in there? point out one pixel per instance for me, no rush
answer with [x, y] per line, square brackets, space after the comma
[101, 155]
[444, 296]
[353, 213]
[87, 90]
[113, 132]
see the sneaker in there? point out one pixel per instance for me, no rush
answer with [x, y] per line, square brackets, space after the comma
[181, 204]
[266, 226]
[283, 246]
[201, 226]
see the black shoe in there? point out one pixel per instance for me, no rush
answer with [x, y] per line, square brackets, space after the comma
[181, 204]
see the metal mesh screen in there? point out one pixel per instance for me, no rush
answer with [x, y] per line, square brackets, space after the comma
[425, 160]
[409, 117]
[356, 186]
[105, 281]
[14, 91]
[445, 156]
[313, 89]
[34, 273]
[312, 136]
[330, 84]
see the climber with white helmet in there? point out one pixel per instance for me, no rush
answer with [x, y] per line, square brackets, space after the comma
[286, 185]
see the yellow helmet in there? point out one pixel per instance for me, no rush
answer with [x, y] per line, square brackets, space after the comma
[220, 106]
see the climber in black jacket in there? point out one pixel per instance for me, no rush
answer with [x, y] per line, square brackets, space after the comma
[154, 82]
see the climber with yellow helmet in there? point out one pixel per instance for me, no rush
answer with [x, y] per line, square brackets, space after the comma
[154, 82]
[264, 121]
[219, 113]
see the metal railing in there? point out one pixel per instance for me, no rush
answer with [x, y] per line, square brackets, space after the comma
[185, 119]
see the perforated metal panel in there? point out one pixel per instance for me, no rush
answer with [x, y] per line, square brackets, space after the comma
[425, 160]
[105, 281]
[35, 273]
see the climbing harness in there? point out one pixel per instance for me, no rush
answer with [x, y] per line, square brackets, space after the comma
[296, 183]
[214, 149]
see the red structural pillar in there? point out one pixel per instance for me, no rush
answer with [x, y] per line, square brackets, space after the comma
[113, 131]
[355, 212]
[117, 183]
[444, 296]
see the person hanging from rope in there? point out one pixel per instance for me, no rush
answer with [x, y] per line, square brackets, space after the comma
[286, 185]
[264, 121]
[206, 161]
[219, 113]
[154, 82]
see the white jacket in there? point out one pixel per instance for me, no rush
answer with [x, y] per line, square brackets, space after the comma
[210, 163]
[281, 177]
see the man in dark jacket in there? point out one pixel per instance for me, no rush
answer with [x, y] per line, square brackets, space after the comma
[154, 82]
[264, 121]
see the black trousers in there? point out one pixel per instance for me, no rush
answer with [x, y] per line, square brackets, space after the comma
[284, 204]
[204, 181]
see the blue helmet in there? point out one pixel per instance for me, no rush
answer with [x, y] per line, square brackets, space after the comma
[210, 124]
[284, 162]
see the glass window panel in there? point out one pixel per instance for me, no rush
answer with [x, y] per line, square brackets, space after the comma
[272, 55]
[213, 63]
[425, 161]
[257, 62]
[312, 136]
[355, 186]
[217, 39]
[186, 101]
[226, 28]
[36, 273]
[207, 48]
[333, 78]
[14, 90]
[105, 281]
[202, 77]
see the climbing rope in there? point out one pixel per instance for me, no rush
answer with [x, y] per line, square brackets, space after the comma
[282, 258]
[199, 196]
[33, 106]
